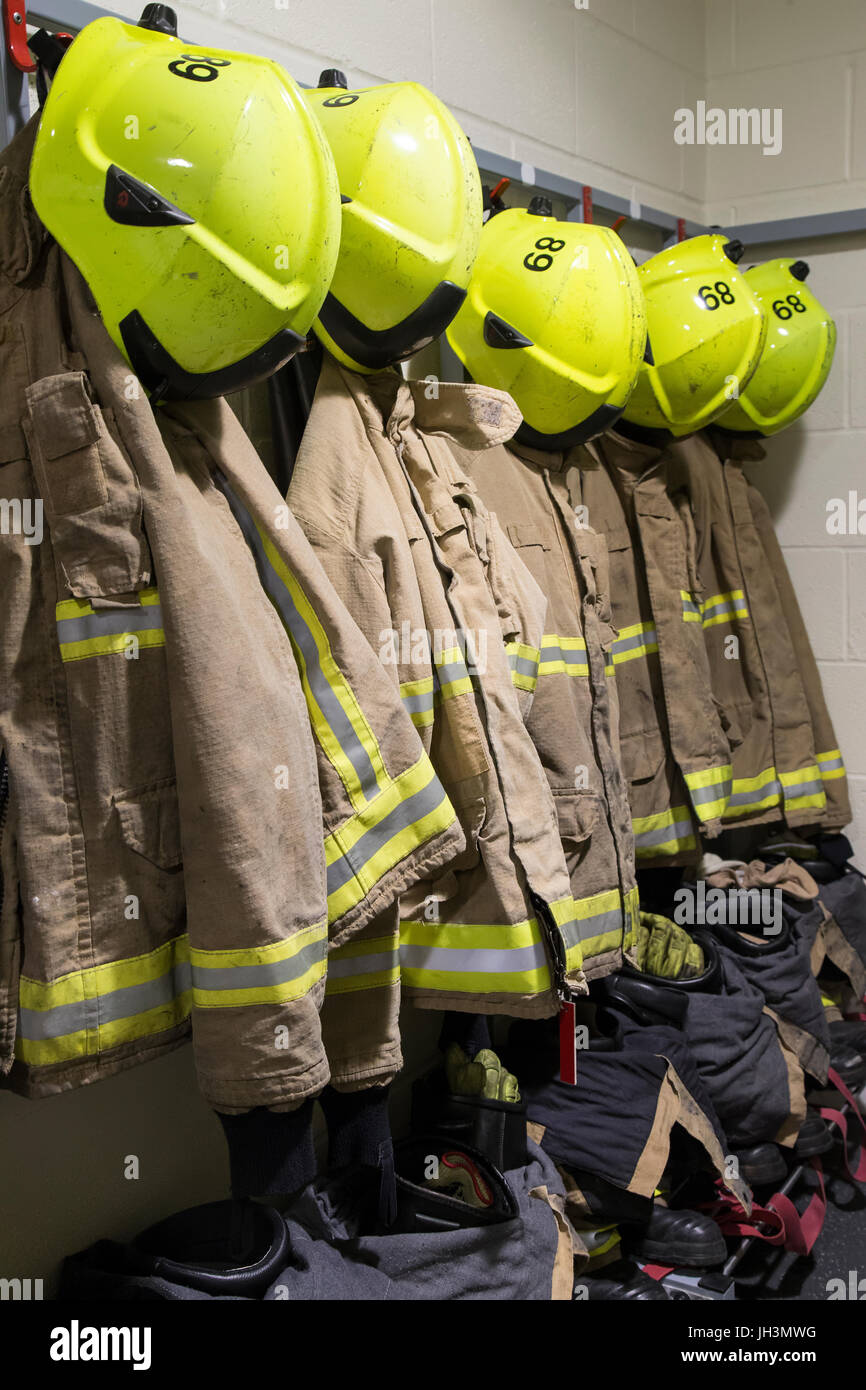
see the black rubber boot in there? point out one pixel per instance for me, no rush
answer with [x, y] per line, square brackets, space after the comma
[621, 1280]
[815, 1137]
[849, 1064]
[689, 1238]
[849, 1033]
[762, 1165]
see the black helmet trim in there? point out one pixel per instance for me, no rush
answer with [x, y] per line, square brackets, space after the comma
[499, 334]
[161, 375]
[135, 204]
[604, 418]
[378, 348]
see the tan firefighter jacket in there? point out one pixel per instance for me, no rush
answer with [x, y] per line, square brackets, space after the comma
[809, 765]
[573, 720]
[675, 751]
[209, 775]
[738, 676]
[382, 487]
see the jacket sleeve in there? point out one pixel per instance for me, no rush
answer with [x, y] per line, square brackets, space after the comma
[828, 756]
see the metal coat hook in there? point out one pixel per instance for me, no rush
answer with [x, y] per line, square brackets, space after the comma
[15, 32]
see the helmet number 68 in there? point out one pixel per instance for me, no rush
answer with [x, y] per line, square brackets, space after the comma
[546, 245]
[785, 308]
[711, 296]
[198, 69]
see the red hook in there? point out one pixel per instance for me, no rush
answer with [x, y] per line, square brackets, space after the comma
[15, 31]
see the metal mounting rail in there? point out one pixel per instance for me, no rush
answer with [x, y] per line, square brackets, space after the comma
[72, 15]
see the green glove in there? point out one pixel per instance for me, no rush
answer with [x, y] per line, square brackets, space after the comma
[485, 1076]
[666, 950]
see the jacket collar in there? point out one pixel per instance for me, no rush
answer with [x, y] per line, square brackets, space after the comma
[556, 461]
[630, 456]
[474, 417]
[22, 235]
[736, 448]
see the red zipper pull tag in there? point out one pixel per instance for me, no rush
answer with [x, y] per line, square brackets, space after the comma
[567, 1043]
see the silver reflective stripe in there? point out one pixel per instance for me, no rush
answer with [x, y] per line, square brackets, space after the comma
[583, 928]
[420, 703]
[719, 791]
[567, 655]
[480, 961]
[110, 622]
[362, 965]
[806, 788]
[828, 764]
[206, 977]
[729, 608]
[640, 639]
[352, 863]
[450, 671]
[750, 798]
[35, 1024]
[523, 665]
[689, 606]
[677, 830]
[282, 600]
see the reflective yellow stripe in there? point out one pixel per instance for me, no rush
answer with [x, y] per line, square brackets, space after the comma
[665, 833]
[562, 656]
[359, 789]
[691, 609]
[419, 701]
[758, 793]
[523, 661]
[803, 789]
[474, 959]
[89, 1011]
[335, 714]
[722, 608]
[372, 963]
[84, 631]
[638, 639]
[120, 642]
[92, 1010]
[710, 790]
[830, 765]
[272, 974]
[82, 608]
[411, 811]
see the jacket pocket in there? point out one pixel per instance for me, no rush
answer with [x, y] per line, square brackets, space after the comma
[577, 814]
[150, 823]
[643, 757]
[88, 487]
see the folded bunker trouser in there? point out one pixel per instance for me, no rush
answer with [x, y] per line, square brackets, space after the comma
[753, 1077]
[618, 1122]
[779, 966]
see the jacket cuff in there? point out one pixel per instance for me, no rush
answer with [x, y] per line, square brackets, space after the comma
[270, 1152]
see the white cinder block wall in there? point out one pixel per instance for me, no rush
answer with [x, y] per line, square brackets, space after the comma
[589, 93]
[822, 457]
[809, 60]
